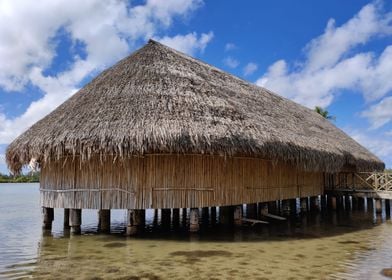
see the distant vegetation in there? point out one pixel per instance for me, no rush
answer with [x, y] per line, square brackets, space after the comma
[23, 178]
[324, 113]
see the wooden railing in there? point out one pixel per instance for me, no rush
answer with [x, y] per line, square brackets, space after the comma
[359, 181]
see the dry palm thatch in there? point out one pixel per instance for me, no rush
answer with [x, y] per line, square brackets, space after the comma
[159, 100]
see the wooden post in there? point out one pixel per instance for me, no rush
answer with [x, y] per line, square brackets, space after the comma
[104, 220]
[314, 203]
[165, 217]
[323, 202]
[370, 203]
[293, 206]
[388, 207]
[238, 215]
[213, 215]
[263, 209]
[194, 220]
[354, 203]
[286, 207]
[205, 215]
[75, 220]
[176, 217]
[347, 202]
[251, 210]
[47, 217]
[135, 221]
[155, 219]
[225, 214]
[332, 202]
[339, 202]
[66, 217]
[184, 215]
[378, 205]
[304, 204]
[361, 203]
[272, 207]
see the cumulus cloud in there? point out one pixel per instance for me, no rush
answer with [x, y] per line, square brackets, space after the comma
[380, 113]
[380, 146]
[189, 43]
[230, 47]
[231, 62]
[331, 63]
[250, 68]
[108, 30]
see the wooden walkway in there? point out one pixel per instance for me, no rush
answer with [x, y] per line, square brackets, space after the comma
[364, 184]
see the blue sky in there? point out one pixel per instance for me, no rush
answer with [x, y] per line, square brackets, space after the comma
[335, 54]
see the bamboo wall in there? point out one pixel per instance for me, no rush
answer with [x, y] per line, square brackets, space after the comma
[172, 181]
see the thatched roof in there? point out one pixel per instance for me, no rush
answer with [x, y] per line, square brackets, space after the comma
[159, 100]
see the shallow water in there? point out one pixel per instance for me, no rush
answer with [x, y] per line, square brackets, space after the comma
[344, 245]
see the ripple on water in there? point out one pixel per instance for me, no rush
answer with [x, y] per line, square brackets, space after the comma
[352, 248]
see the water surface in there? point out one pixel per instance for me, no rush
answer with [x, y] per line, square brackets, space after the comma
[343, 245]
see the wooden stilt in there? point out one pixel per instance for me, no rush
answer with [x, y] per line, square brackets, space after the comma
[251, 210]
[176, 217]
[213, 215]
[338, 199]
[293, 206]
[304, 204]
[347, 202]
[155, 219]
[378, 205]
[66, 217]
[332, 205]
[286, 207]
[194, 220]
[75, 220]
[323, 202]
[263, 209]
[165, 217]
[314, 203]
[388, 207]
[47, 217]
[104, 220]
[361, 203]
[225, 214]
[238, 215]
[135, 221]
[184, 215]
[272, 207]
[370, 203]
[205, 215]
[354, 203]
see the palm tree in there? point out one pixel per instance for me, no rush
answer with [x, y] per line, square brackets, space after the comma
[324, 113]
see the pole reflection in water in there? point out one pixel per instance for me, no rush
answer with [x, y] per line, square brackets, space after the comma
[317, 244]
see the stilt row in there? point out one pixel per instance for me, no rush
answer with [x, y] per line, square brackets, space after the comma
[227, 214]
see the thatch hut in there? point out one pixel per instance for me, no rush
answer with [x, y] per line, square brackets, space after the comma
[161, 129]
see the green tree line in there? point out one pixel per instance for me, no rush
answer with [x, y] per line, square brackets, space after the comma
[23, 178]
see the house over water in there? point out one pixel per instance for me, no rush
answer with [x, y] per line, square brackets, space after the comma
[163, 130]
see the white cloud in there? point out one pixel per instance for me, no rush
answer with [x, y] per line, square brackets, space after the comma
[189, 43]
[108, 30]
[380, 113]
[330, 64]
[2, 159]
[250, 68]
[230, 47]
[380, 146]
[231, 62]
[388, 133]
